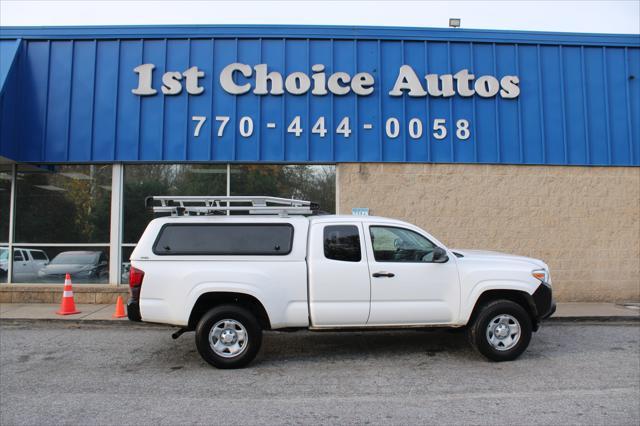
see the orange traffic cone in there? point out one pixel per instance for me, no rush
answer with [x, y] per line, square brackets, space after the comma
[67, 306]
[119, 313]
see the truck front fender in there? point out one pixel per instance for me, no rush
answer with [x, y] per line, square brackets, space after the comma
[468, 305]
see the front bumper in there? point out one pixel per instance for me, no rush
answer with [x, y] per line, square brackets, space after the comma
[544, 305]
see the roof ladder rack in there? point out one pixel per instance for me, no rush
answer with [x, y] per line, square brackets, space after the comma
[212, 205]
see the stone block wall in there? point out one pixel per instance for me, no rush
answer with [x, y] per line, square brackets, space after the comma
[583, 221]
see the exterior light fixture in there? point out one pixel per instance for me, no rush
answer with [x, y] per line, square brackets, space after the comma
[454, 22]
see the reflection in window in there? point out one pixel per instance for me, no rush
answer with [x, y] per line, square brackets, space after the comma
[63, 204]
[125, 266]
[5, 201]
[4, 263]
[141, 181]
[315, 183]
[86, 265]
[392, 244]
[342, 242]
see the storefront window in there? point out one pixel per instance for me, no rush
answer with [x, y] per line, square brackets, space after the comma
[4, 263]
[62, 224]
[63, 204]
[5, 201]
[305, 182]
[141, 181]
[125, 266]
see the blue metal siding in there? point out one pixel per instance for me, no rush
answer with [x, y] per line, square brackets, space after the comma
[70, 98]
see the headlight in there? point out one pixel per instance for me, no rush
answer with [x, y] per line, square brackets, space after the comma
[542, 275]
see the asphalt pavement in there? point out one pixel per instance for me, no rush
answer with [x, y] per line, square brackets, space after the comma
[122, 373]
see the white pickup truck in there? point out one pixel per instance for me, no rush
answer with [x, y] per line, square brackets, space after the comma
[228, 277]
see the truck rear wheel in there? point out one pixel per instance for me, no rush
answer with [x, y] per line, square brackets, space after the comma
[501, 331]
[228, 336]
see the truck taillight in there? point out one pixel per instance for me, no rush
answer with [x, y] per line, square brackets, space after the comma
[135, 277]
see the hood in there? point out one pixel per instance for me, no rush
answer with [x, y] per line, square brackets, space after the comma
[495, 255]
[66, 268]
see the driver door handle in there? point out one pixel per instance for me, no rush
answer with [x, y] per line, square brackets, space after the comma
[383, 274]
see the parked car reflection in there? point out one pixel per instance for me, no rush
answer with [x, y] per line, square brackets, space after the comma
[27, 262]
[4, 263]
[124, 277]
[84, 267]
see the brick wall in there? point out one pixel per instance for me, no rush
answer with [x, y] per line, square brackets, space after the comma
[583, 221]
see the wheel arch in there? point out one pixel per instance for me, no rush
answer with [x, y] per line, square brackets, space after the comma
[209, 300]
[520, 297]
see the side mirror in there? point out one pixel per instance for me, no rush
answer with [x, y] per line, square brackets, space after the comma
[439, 255]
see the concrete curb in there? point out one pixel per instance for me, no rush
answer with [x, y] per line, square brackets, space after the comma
[622, 318]
[80, 322]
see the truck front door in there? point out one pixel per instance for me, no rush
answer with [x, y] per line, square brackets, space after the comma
[407, 287]
[339, 287]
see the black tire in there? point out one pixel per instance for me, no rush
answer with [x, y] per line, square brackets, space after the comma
[477, 330]
[246, 320]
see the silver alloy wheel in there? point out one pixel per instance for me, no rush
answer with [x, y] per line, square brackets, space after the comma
[228, 338]
[503, 332]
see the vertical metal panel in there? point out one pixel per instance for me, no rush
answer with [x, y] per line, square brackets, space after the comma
[368, 106]
[344, 106]
[464, 150]
[81, 111]
[574, 106]
[390, 57]
[199, 148]
[176, 120]
[633, 86]
[296, 60]
[11, 54]
[507, 108]
[552, 104]
[223, 103]
[272, 140]
[9, 50]
[416, 108]
[618, 118]
[485, 129]
[562, 106]
[438, 107]
[596, 111]
[128, 117]
[35, 75]
[56, 133]
[248, 106]
[152, 107]
[578, 103]
[105, 100]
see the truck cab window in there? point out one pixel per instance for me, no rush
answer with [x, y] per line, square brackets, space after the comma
[392, 244]
[342, 242]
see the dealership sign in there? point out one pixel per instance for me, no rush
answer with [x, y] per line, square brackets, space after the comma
[259, 80]
[318, 95]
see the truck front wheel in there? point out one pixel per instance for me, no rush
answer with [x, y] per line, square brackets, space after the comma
[228, 336]
[501, 331]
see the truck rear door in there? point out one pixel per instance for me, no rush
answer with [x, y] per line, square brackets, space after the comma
[339, 284]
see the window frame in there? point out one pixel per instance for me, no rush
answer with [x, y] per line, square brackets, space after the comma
[373, 251]
[209, 253]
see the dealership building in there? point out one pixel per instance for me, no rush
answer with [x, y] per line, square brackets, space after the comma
[522, 142]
